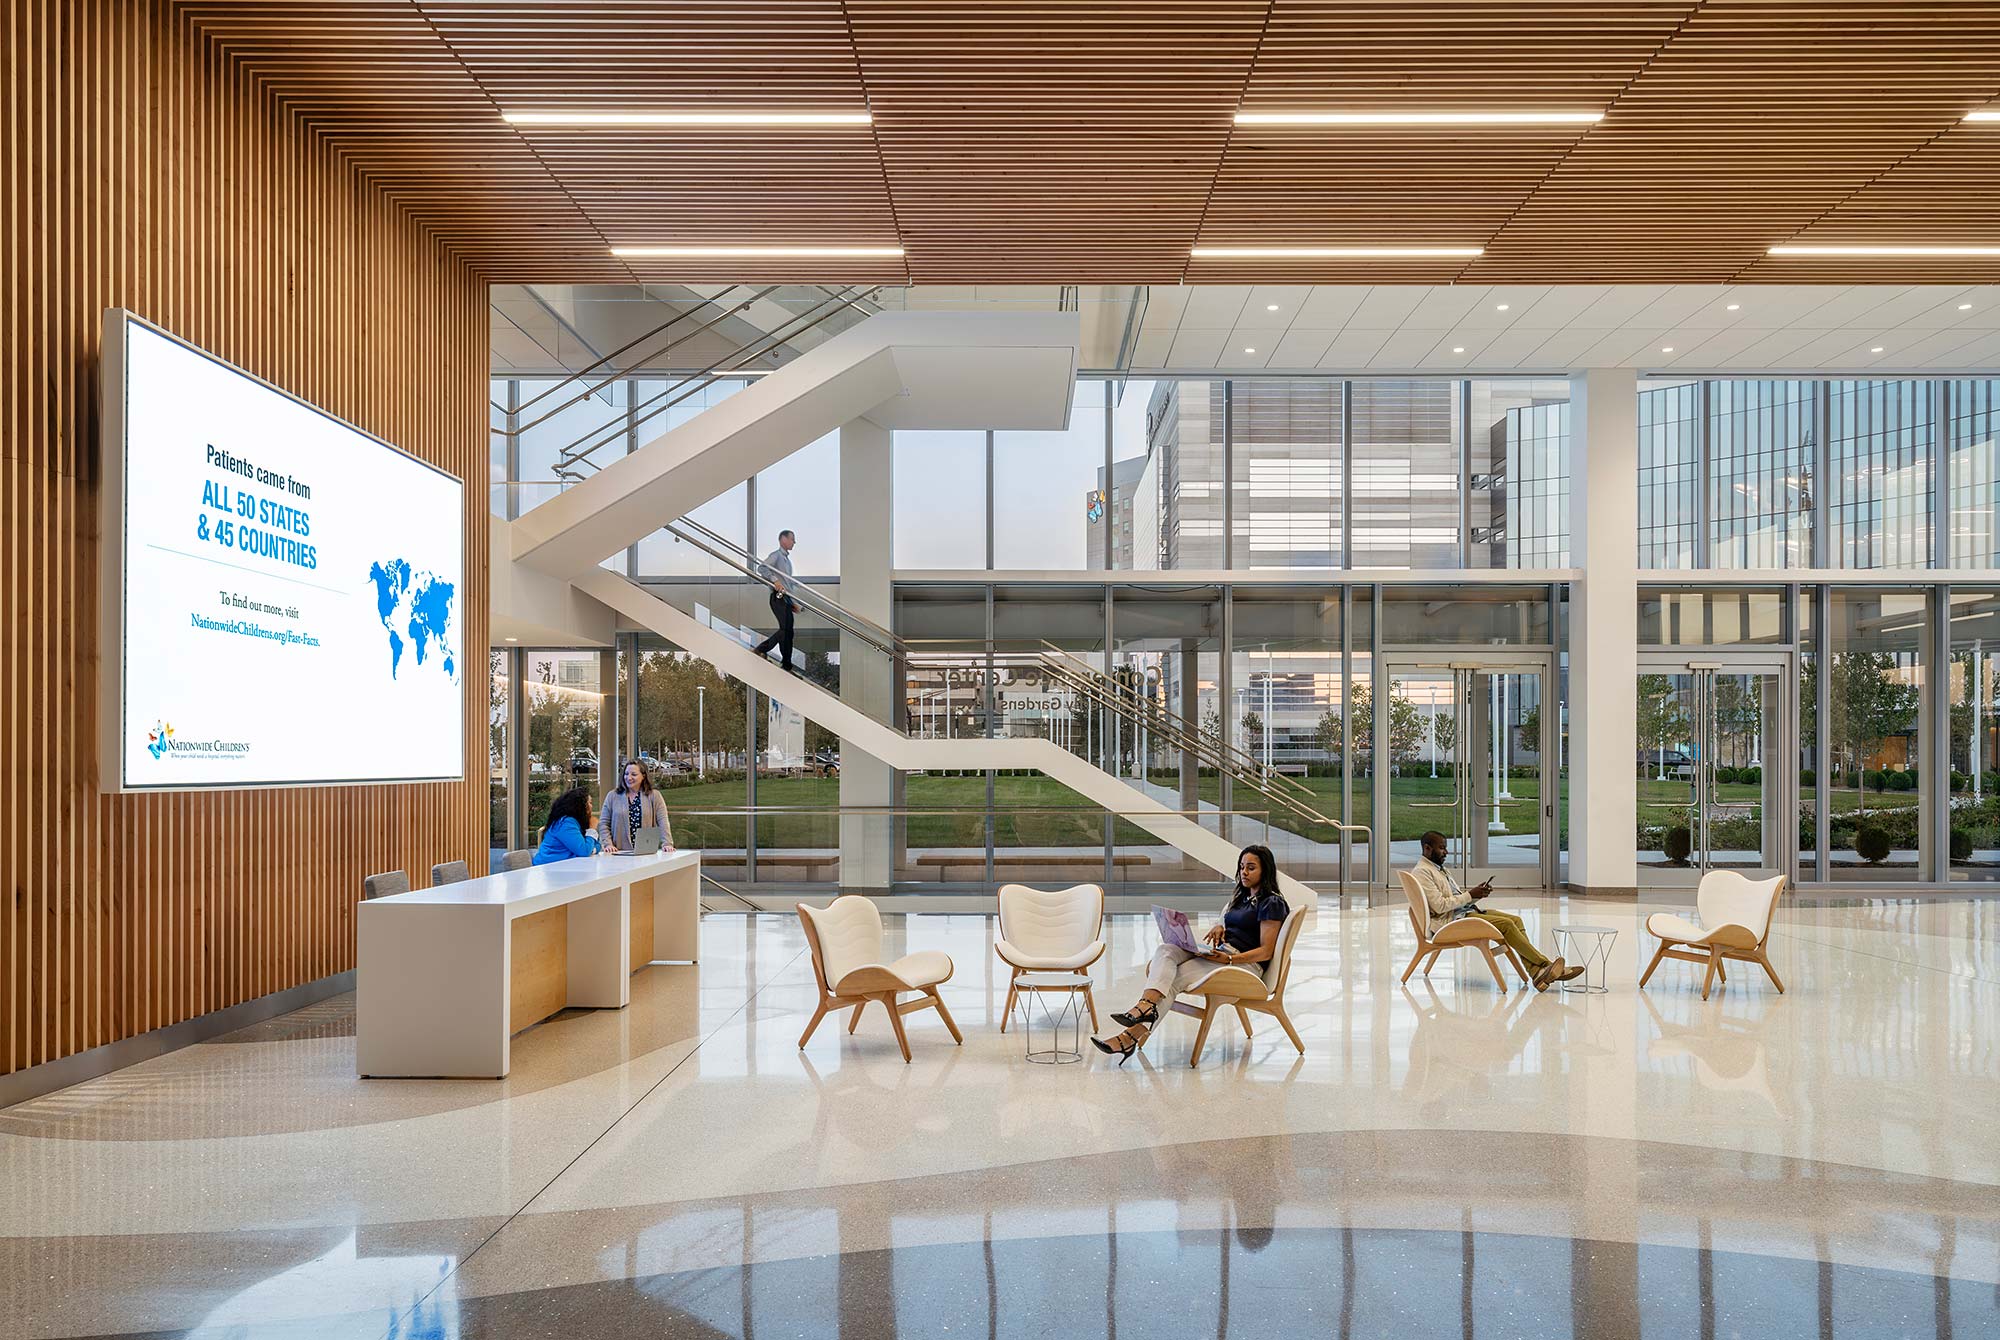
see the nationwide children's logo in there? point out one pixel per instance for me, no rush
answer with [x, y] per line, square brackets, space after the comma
[161, 741]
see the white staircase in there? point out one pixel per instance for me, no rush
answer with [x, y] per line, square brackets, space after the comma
[885, 742]
[933, 370]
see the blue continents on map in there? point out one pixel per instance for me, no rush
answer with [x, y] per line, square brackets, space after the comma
[416, 611]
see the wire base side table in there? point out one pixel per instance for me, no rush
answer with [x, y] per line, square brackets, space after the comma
[1595, 943]
[1038, 987]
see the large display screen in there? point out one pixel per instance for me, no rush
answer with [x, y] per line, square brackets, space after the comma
[283, 593]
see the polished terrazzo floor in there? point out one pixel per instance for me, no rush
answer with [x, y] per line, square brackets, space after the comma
[1443, 1160]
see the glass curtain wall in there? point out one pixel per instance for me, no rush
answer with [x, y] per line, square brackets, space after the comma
[1879, 509]
[1287, 667]
[689, 726]
[1517, 473]
[946, 693]
[1876, 779]
[561, 703]
[1165, 654]
[499, 709]
[1974, 771]
[1042, 830]
[1287, 491]
[1974, 483]
[1406, 472]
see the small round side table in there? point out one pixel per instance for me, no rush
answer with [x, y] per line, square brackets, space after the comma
[1038, 987]
[1595, 943]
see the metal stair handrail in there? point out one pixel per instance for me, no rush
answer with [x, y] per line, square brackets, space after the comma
[584, 372]
[574, 454]
[1063, 667]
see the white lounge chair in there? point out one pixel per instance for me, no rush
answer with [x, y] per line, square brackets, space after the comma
[846, 941]
[1735, 913]
[1049, 931]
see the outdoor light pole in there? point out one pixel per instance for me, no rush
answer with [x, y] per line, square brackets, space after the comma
[1432, 726]
[701, 730]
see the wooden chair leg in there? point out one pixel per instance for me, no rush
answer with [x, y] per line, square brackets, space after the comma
[937, 1002]
[1285, 1022]
[1432, 962]
[1244, 1015]
[1708, 978]
[1721, 970]
[1493, 966]
[896, 1022]
[819, 1013]
[1414, 960]
[1658, 954]
[1764, 961]
[1201, 1036]
[1519, 971]
[1012, 991]
[1090, 1002]
[855, 1022]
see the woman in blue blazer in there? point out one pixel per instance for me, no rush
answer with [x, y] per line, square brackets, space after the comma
[568, 833]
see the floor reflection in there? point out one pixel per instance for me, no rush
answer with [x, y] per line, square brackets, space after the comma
[1259, 1283]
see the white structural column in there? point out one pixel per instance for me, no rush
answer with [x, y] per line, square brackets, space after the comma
[1603, 629]
[867, 678]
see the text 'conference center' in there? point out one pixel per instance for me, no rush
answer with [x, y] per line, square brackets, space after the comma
[842, 669]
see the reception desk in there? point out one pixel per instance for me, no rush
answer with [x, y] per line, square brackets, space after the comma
[446, 976]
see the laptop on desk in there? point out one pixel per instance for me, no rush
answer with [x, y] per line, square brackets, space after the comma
[646, 844]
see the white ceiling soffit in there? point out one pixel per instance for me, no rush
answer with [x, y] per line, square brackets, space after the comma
[1553, 329]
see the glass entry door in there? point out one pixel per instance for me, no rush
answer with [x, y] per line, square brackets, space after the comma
[1461, 750]
[1714, 767]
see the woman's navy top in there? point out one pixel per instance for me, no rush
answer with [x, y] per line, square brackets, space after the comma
[1241, 920]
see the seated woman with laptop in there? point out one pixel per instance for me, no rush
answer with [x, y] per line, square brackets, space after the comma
[632, 809]
[1247, 934]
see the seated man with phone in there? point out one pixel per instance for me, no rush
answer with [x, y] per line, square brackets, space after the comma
[1448, 902]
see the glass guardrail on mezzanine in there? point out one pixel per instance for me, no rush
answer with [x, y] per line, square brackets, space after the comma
[1010, 840]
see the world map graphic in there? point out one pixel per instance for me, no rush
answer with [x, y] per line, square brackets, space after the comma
[416, 610]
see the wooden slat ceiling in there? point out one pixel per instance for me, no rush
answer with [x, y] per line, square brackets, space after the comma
[1059, 141]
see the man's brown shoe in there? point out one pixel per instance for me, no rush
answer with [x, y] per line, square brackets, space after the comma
[1564, 973]
[1543, 975]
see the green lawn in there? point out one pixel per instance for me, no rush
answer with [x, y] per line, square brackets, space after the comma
[1032, 811]
[1029, 812]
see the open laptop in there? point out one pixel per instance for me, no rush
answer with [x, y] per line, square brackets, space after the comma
[646, 844]
[1174, 930]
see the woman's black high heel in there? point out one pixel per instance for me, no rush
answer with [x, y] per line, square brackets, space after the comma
[1123, 1053]
[1145, 1012]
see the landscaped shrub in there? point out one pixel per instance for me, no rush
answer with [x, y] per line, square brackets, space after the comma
[1807, 777]
[1877, 779]
[1871, 843]
[1899, 781]
[1900, 824]
[1750, 776]
[1959, 781]
[1961, 845]
[1851, 779]
[1677, 843]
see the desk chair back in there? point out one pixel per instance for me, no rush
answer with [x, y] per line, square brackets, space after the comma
[385, 885]
[449, 872]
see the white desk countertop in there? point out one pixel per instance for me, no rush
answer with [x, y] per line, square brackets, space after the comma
[520, 892]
